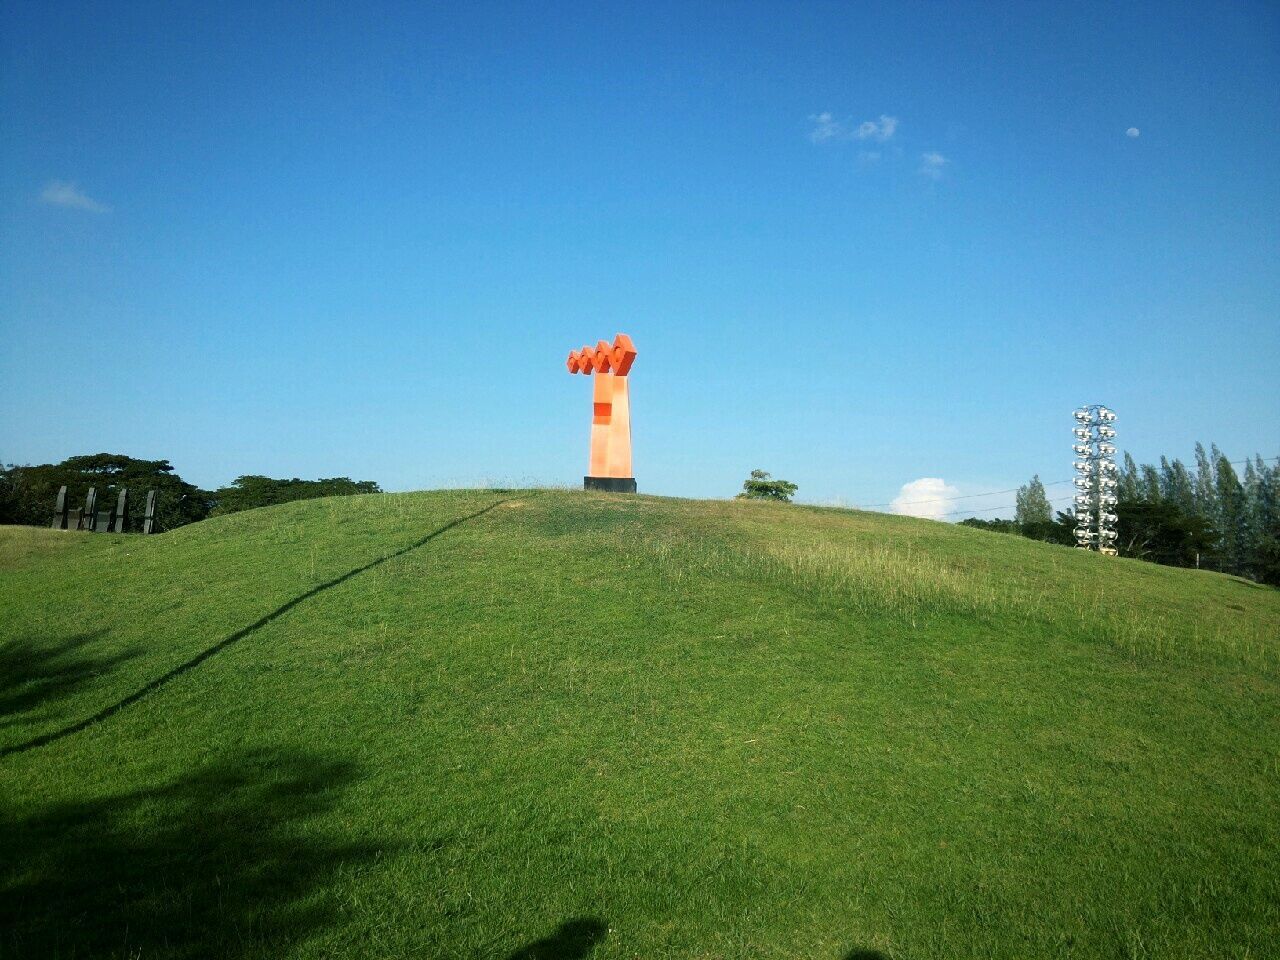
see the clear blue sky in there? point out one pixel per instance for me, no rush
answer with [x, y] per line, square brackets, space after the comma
[361, 240]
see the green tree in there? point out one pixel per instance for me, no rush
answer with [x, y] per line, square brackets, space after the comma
[1032, 504]
[1205, 486]
[759, 486]
[1149, 484]
[1128, 483]
[1232, 516]
[1263, 496]
[1162, 532]
[1215, 519]
[1176, 485]
[28, 493]
[1266, 559]
[252, 490]
[1061, 531]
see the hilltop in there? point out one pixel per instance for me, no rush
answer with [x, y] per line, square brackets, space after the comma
[535, 724]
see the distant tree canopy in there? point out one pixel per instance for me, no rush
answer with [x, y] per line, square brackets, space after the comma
[1211, 517]
[759, 486]
[27, 493]
[1162, 532]
[1060, 530]
[252, 491]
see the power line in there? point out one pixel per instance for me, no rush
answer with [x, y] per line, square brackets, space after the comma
[967, 496]
[1003, 507]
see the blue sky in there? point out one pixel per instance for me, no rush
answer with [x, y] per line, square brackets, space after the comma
[856, 246]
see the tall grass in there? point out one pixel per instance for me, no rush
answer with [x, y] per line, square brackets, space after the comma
[712, 730]
[1146, 638]
[909, 582]
[875, 580]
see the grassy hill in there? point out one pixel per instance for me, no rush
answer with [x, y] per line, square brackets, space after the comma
[555, 725]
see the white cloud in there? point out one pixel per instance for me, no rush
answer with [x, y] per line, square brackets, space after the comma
[869, 156]
[1133, 133]
[932, 164]
[880, 130]
[60, 193]
[926, 497]
[825, 127]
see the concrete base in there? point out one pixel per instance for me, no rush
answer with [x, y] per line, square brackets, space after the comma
[610, 484]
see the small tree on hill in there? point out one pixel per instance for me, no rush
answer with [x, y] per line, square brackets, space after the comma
[759, 486]
[1033, 504]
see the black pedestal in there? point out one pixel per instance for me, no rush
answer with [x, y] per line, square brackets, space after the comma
[610, 484]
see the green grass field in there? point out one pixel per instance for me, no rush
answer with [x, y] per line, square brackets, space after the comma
[537, 725]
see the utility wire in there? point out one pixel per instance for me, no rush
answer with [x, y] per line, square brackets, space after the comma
[993, 509]
[967, 496]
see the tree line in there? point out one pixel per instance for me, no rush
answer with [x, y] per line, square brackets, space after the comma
[1211, 516]
[28, 493]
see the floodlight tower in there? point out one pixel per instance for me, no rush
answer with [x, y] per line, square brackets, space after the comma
[1096, 478]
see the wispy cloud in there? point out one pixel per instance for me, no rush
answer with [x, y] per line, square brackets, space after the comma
[61, 193]
[926, 497]
[878, 130]
[1133, 133]
[827, 127]
[932, 164]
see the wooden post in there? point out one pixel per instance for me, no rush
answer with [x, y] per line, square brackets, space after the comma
[91, 509]
[122, 511]
[60, 510]
[149, 518]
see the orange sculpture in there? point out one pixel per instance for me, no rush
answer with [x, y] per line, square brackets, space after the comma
[610, 467]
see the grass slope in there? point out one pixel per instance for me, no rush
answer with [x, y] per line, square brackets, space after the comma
[552, 725]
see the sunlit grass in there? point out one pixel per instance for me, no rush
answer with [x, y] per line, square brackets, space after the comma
[20, 545]
[628, 727]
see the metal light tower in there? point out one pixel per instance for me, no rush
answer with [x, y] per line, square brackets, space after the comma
[1096, 478]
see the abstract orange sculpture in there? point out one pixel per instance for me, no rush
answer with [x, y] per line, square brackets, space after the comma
[610, 467]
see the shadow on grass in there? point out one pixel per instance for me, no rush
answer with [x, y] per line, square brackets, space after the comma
[576, 939]
[239, 635]
[573, 940]
[222, 862]
[35, 676]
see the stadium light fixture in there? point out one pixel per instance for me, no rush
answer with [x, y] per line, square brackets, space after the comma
[1096, 478]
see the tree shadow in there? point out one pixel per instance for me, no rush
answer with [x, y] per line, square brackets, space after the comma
[223, 862]
[572, 940]
[35, 675]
